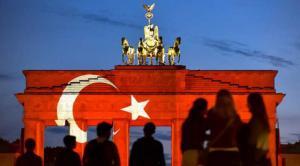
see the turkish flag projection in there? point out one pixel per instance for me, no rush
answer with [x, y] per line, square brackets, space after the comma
[131, 96]
[77, 97]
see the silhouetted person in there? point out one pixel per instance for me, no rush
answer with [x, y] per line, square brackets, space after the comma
[68, 157]
[224, 124]
[254, 135]
[147, 151]
[101, 151]
[193, 134]
[29, 158]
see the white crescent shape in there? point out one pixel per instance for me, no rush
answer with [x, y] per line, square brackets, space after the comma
[67, 99]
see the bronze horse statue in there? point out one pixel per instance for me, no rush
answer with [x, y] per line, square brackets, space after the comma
[174, 51]
[141, 53]
[127, 51]
[160, 52]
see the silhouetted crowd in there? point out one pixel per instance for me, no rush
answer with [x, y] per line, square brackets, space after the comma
[218, 136]
[211, 137]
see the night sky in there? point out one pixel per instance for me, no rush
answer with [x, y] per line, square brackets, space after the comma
[78, 34]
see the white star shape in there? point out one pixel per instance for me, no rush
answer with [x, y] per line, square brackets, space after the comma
[136, 109]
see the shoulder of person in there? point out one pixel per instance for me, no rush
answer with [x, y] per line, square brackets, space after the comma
[76, 154]
[157, 142]
[142, 139]
[211, 114]
[92, 142]
[110, 143]
[185, 122]
[137, 143]
[211, 111]
[20, 158]
[38, 158]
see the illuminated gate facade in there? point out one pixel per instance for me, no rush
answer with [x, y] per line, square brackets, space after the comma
[86, 97]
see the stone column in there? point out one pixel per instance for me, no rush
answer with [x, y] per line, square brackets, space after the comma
[35, 129]
[272, 140]
[121, 139]
[176, 142]
[80, 146]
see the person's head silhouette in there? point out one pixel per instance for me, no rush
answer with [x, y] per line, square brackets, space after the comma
[149, 129]
[104, 130]
[256, 104]
[198, 109]
[257, 108]
[70, 141]
[225, 104]
[30, 144]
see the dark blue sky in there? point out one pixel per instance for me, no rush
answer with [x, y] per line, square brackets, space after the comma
[77, 34]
